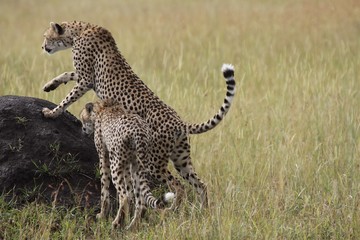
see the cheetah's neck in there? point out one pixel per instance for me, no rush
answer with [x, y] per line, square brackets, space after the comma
[76, 28]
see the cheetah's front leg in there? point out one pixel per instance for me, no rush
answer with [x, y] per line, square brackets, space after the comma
[62, 78]
[78, 91]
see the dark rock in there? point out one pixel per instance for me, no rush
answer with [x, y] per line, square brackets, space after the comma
[45, 158]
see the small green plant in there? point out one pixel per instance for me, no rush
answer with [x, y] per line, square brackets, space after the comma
[21, 120]
[30, 194]
[54, 148]
[60, 164]
[17, 146]
[97, 172]
[58, 167]
[41, 169]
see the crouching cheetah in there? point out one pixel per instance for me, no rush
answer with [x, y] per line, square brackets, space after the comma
[100, 66]
[122, 142]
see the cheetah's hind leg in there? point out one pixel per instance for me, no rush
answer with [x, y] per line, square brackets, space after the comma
[182, 162]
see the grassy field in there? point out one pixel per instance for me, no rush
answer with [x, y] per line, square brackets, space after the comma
[284, 163]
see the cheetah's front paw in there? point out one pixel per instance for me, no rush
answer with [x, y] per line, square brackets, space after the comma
[52, 85]
[50, 113]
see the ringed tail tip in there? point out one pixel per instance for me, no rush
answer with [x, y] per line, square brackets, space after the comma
[228, 70]
[169, 197]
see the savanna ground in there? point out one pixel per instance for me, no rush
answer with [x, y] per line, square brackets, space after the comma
[284, 163]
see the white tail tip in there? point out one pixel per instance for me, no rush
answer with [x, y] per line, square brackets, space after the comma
[226, 67]
[169, 197]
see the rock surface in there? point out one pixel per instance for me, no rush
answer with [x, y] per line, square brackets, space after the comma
[44, 158]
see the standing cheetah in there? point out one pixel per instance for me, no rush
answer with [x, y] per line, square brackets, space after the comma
[100, 66]
[123, 142]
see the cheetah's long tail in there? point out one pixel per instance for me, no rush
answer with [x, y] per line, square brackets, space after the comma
[228, 72]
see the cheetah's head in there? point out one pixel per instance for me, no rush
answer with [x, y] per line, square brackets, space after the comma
[95, 112]
[57, 38]
[87, 117]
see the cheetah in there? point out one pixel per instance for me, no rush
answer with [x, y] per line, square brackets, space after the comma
[100, 66]
[122, 142]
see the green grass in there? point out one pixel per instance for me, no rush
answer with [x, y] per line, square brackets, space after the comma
[284, 164]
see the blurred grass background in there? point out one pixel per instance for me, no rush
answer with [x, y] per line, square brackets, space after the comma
[284, 164]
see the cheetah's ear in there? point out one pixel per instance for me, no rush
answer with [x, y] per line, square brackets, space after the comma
[57, 28]
[89, 107]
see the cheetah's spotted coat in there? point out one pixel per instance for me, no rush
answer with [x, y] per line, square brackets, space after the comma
[100, 66]
[123, 142]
